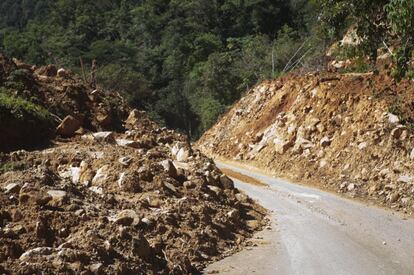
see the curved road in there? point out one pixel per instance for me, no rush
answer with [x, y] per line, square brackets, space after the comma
[314, 232]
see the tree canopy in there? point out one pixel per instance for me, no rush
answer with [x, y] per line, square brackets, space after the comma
[184, 61]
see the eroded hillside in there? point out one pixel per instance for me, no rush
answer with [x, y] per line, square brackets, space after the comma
[349, 133]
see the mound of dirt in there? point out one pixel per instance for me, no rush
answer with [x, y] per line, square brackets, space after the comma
[135, 202]
[350, 133]
[44, 97]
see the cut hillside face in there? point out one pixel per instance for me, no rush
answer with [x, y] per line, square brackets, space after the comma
[136, 201]
[349, 133]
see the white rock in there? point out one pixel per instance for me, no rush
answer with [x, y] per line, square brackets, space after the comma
[96, 189]
[125, 161]
[121, 180]
[393, 119]
[75, 173]
[101, 176]
[405, 179]
[12, 188]
[104, 136]
[281, 145]
[61, 72]
[127, 143]
[323, 163]
[35, 252]
[412, 154]
[362, 145]
[57, 194]
[350, 187]
[182, 154]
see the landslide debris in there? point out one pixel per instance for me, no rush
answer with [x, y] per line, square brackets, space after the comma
[34, 101]
[135, 201]
[350, 133]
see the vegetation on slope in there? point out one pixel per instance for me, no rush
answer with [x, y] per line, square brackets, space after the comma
[183, 61]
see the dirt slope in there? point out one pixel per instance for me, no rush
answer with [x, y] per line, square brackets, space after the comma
[349, 133]
[135, 201]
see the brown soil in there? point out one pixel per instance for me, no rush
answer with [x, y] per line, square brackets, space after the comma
[242, 177]
[347, 133]
[136, 201]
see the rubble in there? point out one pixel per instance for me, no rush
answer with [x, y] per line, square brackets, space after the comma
[348, 133]
[96, 204]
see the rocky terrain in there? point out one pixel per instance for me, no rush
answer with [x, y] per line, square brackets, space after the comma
[349, 133]
[106, 197]
[34, 100]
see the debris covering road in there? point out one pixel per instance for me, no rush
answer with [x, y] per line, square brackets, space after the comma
[314, 232]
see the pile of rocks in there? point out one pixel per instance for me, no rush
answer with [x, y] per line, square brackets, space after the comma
[134, 202]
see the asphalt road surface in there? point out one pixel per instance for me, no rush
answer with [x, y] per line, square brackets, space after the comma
[315, 232]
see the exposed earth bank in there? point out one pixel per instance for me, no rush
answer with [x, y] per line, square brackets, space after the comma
[348, 133]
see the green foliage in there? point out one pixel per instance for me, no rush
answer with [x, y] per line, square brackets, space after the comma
[21, 109]
[11, 166]
[163, 56]
[376, 22]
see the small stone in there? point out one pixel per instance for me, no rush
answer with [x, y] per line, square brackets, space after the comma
[75, 173]
[96, 268]
[101, 176]
[68, 126]
[393, 119]
[253, 224]
[133, 118]
[125, 161]
[128, 143]
[325, 141]
[226, 182]
[146, 221]
[58, 198]
[394, 197]
[61, 72]
[405, 179]
[141, 247]
[362, 145]
[241, 197]
[104, 137]
[97, 190]
[189, 184]
[233, 214]
[32, 254]
[170, 187]
[399, 132]
[12, 188]
[215, 189]
[169, 167]
[182, 155]
[127, 217]
[350, 187]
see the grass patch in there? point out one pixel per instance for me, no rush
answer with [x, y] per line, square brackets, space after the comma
[11, 166]
[21, 109]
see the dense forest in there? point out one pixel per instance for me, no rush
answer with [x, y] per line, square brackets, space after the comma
[182, 61]
[186, 61]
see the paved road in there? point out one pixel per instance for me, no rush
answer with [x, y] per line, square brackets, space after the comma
[314, 232]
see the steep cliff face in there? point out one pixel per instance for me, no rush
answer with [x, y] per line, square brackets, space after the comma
[350, 133]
